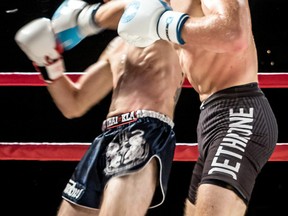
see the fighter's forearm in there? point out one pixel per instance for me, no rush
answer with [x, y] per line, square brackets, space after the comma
[109, 14]
[63, 92]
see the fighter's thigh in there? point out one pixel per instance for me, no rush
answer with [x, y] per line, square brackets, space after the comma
[70, 209]
[142, 180]
[137, 188]
[214, 200]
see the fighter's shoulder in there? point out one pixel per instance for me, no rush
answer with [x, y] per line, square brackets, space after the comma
[210, 6]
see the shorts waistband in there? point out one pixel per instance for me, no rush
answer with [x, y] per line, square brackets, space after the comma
[128, 117]
[250, 89]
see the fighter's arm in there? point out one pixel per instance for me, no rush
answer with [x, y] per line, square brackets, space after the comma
[223, 28]
[109, 14]
[37, 40]
[75, 99]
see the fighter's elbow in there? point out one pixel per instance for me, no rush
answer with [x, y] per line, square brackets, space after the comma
[70, 115]
[237, 39]
[73, 113]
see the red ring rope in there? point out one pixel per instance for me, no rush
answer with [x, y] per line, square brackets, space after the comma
[266, 80]
[74, 151]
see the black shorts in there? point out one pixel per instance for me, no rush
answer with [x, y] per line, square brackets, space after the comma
[128, 142]
[237, 133]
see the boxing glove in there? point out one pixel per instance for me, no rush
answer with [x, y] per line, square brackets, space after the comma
[144, 22]
[37, 40]
[73, 21]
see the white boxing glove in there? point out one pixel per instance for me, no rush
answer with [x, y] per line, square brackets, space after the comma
[146, 21]
[37, 40]
[73, 21]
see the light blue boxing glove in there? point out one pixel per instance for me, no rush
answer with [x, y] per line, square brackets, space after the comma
[73, 21]
[146, 21]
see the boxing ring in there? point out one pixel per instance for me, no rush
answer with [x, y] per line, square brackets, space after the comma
[73, 151]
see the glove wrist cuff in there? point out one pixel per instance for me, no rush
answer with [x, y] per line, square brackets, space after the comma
[52, 71]
[170, 25]
[86, 20]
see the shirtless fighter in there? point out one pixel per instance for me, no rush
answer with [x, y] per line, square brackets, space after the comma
[131, 160]
[237, 130]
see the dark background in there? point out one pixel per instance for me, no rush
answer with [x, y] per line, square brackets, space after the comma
[27, 114]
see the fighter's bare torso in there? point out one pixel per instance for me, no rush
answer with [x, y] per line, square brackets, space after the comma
[144, 78]
[211, 66]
